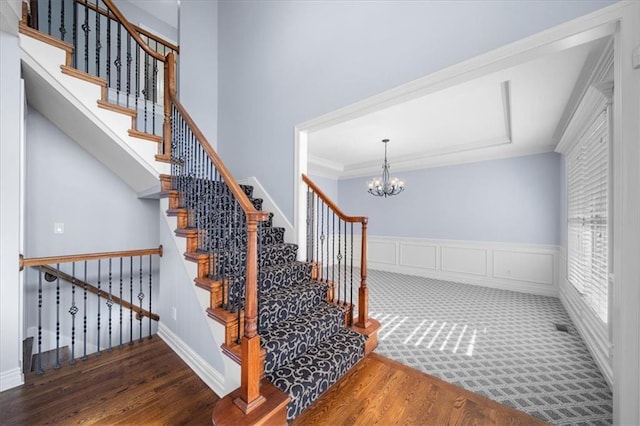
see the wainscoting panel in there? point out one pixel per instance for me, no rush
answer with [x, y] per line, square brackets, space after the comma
[383, 252]
[528, 268]
[523, 266]
[463, 260]
[423, 256]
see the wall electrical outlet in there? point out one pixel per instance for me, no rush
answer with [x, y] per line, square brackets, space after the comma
[58, 228]
[174, 314]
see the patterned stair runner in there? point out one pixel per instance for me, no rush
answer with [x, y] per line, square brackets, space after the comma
[308, 348]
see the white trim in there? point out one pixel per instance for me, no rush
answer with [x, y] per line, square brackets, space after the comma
[203, 369]
[11, 378]
[527, 268]
[587, 28]
[594, 70]
[626, 220]
[591, 329]
[279, 219]
[300, 152]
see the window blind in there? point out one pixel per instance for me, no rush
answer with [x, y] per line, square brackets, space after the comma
[587, 211]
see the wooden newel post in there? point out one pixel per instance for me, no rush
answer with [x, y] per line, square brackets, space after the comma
[363, 293]
[169, 90]
[250, 397]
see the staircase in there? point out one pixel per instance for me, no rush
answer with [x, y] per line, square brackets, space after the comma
[285, 321]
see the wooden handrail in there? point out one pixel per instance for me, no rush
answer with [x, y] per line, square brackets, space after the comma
[243, 200]
[40, 261]
[331, 204]
[142, 31]
[101, 293]
[363, 293]
[128, 26]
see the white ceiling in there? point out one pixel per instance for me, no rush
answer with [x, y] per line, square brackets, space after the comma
[514, 111]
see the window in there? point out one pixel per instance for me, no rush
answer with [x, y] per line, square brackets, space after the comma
[587, 211]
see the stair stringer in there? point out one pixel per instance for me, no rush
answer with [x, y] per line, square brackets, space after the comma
[177, 275]
[268, 204]
[72, 105]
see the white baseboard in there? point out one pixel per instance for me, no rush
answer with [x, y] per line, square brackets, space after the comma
[11, 378]
[528, 268]
[208, 374]
[279, 219]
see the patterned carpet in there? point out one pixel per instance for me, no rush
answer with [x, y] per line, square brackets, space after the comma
[501, 344]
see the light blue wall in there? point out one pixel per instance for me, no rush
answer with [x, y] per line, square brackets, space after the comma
[284, 62]
[64, 183]
[514, 200]
[328, 186]
[135, 13]
[198, 63]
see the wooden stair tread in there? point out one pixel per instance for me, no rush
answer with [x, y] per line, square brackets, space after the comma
[189, 232]
[208, 284]
[117, 108]
[66, 69]
[26, 30]
[143, 135]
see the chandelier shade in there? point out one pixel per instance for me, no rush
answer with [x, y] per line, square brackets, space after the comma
[385, 186]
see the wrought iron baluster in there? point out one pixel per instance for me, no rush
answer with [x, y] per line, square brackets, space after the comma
[351, 283]
[98, 44]
[320, 268]
[129, 59]
[338, 257]
[73, 310]
[118, 62]
[137, 83]
[120, 346]
[99, 294]
[49, 18]
[333, 256]
[62, 29]
[108, 70]
[39, 369]
[150, 283]
[84, 337]
[328, 245]
[155, 95]
[345, 266]
[140, 297]
[239, 304]
[309, 195]
[131, 299]
[317, 236]
[57, 364]
[109, 303]
[86, 29]
[75, 34]
[259, 275]
[145, 92]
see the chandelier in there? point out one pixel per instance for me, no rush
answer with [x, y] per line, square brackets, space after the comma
[385, 186]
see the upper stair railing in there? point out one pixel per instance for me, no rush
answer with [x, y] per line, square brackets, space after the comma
[86, 303]
[219, 213]
[330, 248]
[127, 59]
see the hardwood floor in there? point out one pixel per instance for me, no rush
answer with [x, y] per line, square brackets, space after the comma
[143, 384]
[148, 384]
[380, 391]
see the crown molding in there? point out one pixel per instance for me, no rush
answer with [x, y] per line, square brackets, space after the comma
[597, 98]
[597, 67]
